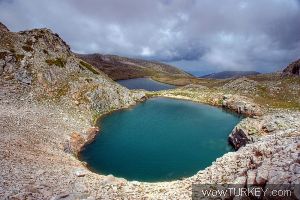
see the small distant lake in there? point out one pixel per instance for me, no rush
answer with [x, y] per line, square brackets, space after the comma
[160, 139]
[145, 83]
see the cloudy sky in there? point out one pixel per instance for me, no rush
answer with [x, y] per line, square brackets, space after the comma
[196, 35]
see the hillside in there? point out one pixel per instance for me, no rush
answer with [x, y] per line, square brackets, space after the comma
[117, 67]
[229, 74]
[42, 63]
[292, 69]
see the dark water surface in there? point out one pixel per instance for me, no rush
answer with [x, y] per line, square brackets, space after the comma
[145, 83]
[161, 139]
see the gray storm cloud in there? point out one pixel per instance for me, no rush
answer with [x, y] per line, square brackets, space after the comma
[207, 35]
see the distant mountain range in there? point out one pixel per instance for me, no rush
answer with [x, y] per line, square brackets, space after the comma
[118, 67]
[229, 74]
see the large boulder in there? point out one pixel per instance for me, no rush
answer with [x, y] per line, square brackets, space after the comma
[238, 138]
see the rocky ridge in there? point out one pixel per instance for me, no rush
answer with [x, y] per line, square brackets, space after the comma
[118, 67]
[229, 74]
[292, 69]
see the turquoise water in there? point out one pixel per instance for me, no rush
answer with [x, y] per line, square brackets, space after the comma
[145, 83]
[160, 139]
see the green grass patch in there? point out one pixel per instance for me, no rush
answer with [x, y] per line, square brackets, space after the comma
[89, 67]
[60, 62]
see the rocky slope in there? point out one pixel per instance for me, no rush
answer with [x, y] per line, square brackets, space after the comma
[117, 67]
[252, 129]
[230, 74]
[47, 101]
[41, 63]
[292, 69]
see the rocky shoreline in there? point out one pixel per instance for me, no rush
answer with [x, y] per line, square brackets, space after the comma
[53, 173]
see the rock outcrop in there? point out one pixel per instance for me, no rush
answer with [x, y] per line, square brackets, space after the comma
[250, 130]
[241, 105]
[40, 59]
[238, 103]
[238, 138]
[292, 69]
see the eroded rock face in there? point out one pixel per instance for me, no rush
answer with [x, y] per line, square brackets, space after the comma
[241, 105]
[249, 130]
[77, 141]
[292, 69]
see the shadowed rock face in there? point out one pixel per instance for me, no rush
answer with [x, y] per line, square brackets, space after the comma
[3, 28]
[292, 69]
[238, 138]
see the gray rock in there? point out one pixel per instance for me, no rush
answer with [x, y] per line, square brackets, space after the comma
[269, 127]
[80, 172]
[23, 76]
[8, 58]
[80, 187]
[2, 64]
[63, 195]
[9, 68]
